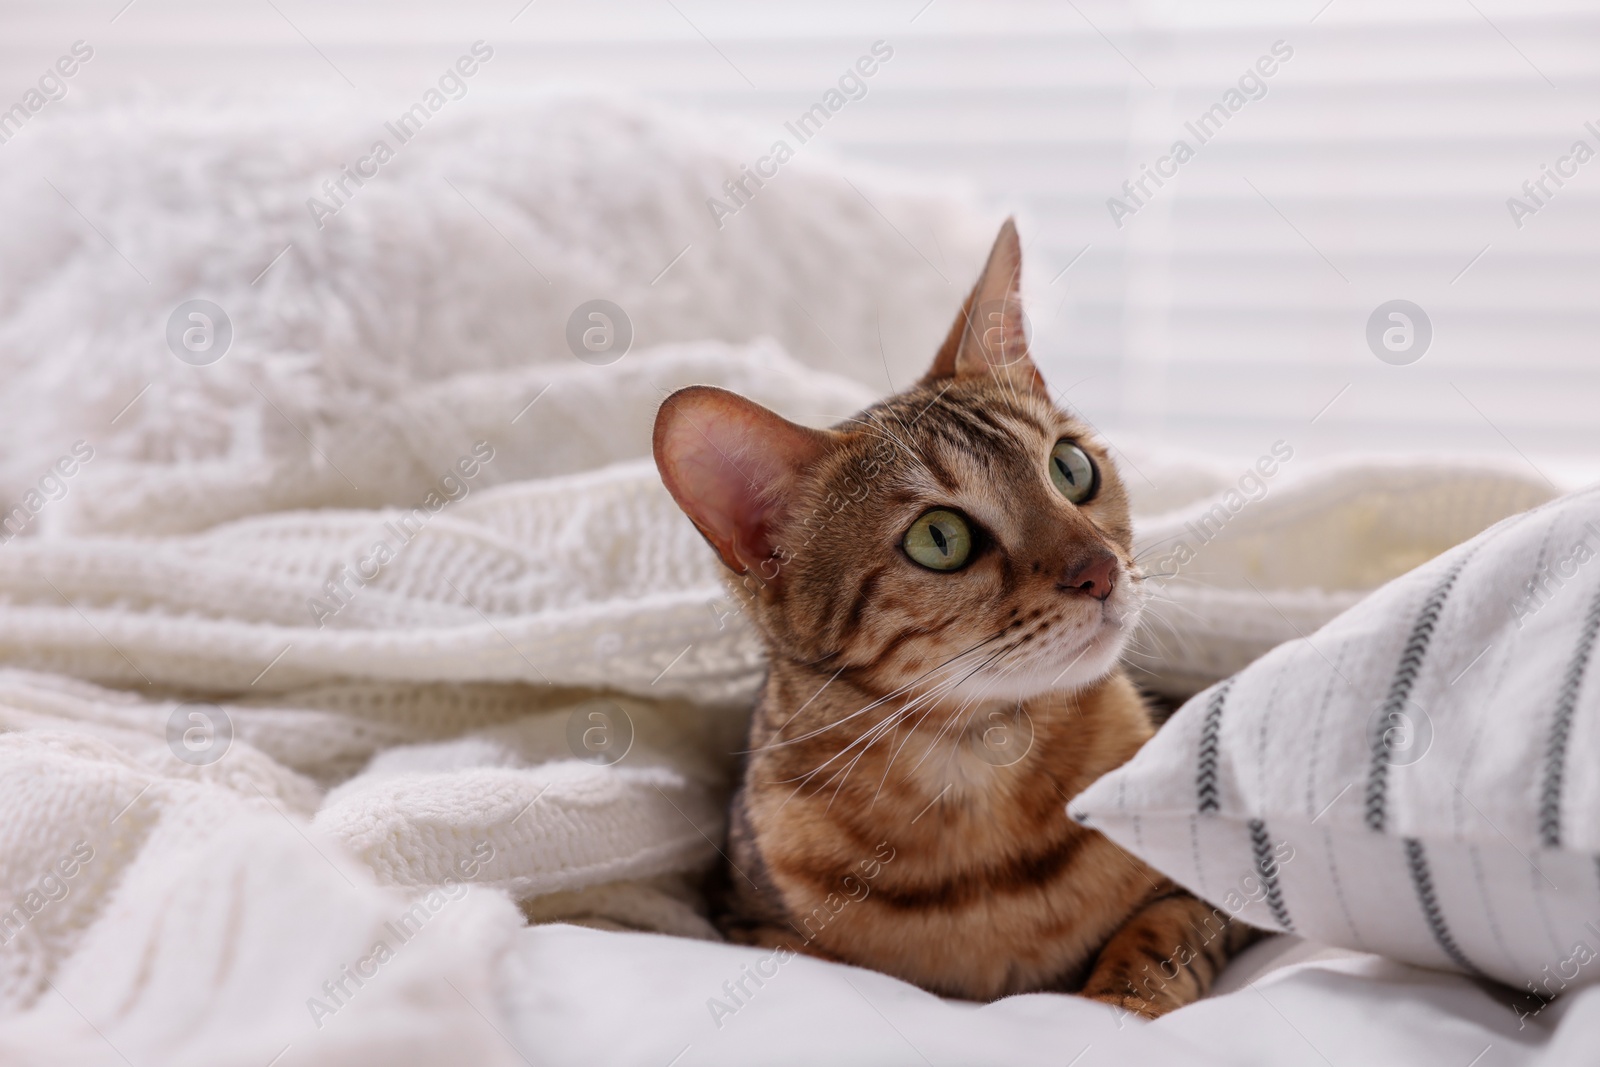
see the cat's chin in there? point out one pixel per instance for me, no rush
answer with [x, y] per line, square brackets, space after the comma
[1064, 662]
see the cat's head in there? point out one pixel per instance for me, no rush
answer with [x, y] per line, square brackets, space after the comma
[966, 532]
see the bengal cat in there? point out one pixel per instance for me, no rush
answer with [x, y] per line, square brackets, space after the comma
[944, 584]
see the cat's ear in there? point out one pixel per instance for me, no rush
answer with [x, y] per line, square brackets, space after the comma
[730, 463]
[989, 336]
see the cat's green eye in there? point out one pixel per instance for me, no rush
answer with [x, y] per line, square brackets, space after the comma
[939, 540]
[1073, 472]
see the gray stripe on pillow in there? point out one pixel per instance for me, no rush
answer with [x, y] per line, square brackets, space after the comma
[1338, 888]
[1422, 881]
[1267, 868]
[1210, 740]
[1405, 679]
[1194, 846]
[1493, 919]
[1555, 760]
[1316, 732]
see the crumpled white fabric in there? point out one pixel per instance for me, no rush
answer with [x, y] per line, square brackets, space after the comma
[438, 711]
[255, 745]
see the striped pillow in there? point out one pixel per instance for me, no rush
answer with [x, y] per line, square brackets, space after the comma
[1419, 778]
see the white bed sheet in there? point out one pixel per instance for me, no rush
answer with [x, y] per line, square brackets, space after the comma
[590, 997]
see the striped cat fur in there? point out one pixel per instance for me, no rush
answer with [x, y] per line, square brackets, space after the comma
[921, 730]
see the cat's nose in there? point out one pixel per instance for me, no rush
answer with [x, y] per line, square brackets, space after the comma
[1093, 577]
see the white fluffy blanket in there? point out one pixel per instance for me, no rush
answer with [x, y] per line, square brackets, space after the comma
[268, 789]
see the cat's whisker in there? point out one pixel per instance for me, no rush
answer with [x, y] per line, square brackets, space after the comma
[904, 712]
[881, 700]
[1186, 643]
[896, 754]
[1139, 642]
[843, 773]
[876, 733]
[1153, 545]
[1163, 597]
[974, 704]
[870, 736]
[883, 427]
[888, 765]
[803, 780]
[809, 701]
[1154, 624]
[872, 428]
[1081, 653]
[932, 744]
[840, 722]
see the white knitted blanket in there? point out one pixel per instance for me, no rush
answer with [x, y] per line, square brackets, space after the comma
[289, 725]
[242, 742]
[428, 732]
[278, 782]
